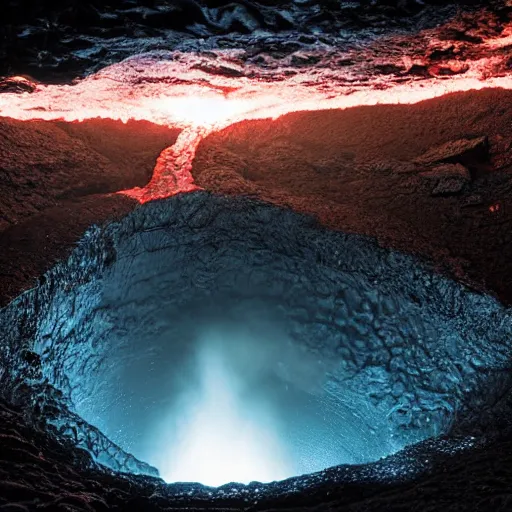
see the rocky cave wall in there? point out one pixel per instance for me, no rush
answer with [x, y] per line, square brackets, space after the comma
[409, 353]
[41, 465]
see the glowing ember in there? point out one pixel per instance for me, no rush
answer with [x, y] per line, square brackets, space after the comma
[209, 110]
[503, 41]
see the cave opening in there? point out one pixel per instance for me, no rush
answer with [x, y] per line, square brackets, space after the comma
[215, 340]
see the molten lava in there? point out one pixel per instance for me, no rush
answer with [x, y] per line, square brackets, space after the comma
[170, 89]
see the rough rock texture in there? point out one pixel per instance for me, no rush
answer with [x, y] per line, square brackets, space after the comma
[469, 151]
[447, 179]
[45, 163]
[36, 474]
[362, 178]
[59, 40]
[353, 170]
[57, 180]
[431, 354]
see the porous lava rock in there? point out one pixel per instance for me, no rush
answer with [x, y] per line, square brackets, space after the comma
[58, 40]
[364, 176]
[466, 151]
[59, 178]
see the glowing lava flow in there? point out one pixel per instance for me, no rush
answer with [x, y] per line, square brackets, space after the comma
[172, 172]
[168, 88]
[203, 114]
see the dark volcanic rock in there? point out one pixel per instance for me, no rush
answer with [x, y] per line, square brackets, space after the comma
[59, 40]
[17, 84]
[447, 179]
[361, 178]
[467, 151]
[43, 163]
[59, 178]
[42, 470]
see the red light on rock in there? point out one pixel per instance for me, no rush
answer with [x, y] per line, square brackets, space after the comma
[176, 93]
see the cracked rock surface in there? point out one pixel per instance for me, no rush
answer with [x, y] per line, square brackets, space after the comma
[431, 357]
[366, 182]
[390, 39]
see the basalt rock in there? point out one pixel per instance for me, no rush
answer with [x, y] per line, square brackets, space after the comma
[447, 179]
[464, 151]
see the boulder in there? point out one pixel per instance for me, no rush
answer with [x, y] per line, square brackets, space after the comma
[464, 151]
[447, 179]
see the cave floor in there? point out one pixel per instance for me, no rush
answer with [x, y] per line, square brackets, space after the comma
[479, 480]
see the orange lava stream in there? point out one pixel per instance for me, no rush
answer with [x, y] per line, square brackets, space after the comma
[129, 91]
[172, 172]
[201, 105]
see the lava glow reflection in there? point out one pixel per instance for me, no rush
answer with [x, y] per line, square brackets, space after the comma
[169, 89]
[224, 432]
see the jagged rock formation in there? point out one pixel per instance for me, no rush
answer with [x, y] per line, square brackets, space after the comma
[59, 40]
[431, 357]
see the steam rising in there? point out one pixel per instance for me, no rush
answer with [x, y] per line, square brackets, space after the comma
[217, 401]
[223, 400]
[228, 430]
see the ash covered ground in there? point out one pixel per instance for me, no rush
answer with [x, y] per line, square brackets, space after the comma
[429, 182]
